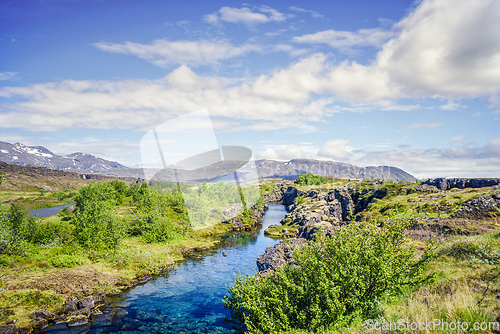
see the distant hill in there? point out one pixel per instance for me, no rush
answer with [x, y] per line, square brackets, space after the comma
[39, 156]
[288, 170]
[293, 168]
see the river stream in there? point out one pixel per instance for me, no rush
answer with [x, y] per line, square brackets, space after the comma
[188, 299]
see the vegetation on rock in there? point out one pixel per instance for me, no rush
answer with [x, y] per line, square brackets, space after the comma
[311, 179]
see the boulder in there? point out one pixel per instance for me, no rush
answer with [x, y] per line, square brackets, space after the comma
[479, 207]
[43, 314]
[41, 324]
[308, 232]
[82, 311]
[78, 320]
[100, 297]
[290, 195]
[8, 329]
[24, 330]
[461, 183]
[87, 302]
[277, 255]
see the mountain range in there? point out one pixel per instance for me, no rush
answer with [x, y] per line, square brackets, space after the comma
[89, 164]
[39, 156]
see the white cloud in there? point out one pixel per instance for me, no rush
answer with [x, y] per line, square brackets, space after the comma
[460, 61]
[334, 149]
[457, 139]
[294, 83]
[493, 147]
[450, 106]
[246, 15]
[269, 154]
[457, 161]
[292, 151]
[446, 48]
[139, 104]
[112, 149]
[347, 39]
[166, 53]
[423, 125]
[314, 14]
[7, 75]
[356, 82]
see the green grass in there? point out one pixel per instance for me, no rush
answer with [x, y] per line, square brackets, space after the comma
[402, 202]
[30, 200]
[281, 232]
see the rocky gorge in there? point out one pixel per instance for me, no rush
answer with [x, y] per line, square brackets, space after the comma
[326, 210]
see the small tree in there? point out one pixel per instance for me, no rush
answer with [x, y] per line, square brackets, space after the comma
[95, 227]
[1, 178]
[17, 216]
[336, 279]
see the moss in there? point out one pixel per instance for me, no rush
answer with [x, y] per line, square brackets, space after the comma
[21, 303]
[281, 232]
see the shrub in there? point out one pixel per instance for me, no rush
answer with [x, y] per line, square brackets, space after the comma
[311, 179]
[95, 227]
[267, 187]
[17, 215]
[161, 230]
[336, 280]
[6, 237]
[301, 199]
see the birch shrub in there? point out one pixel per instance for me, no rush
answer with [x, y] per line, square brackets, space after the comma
[335, 280]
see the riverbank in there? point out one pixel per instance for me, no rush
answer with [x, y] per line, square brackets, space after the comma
[42, 271]
[134, 263]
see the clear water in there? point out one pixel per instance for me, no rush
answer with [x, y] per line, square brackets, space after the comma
[189, 299]
[47, 212]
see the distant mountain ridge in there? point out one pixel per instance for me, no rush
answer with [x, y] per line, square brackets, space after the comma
[288, 170]
[39, 156]
[86, 163]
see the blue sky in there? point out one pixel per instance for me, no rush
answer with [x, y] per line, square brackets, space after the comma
[409, 84]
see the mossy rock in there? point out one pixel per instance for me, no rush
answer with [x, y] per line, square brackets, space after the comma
[281, 232]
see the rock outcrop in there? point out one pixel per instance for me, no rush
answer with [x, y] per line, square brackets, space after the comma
[461, 183]
[480, 207]
[333, 206]
[277, 255]
[75, 313]
[256, 216]
[278, 193]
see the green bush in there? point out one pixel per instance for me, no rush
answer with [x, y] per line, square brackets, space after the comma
[301, 199]
[67, 256]
[337, 279]
[310, 179]
[162, 230]
[95, 227]
[6, 237]
[17, 216]
[267, 188]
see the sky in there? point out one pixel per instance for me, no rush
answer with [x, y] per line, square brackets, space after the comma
[414, 85]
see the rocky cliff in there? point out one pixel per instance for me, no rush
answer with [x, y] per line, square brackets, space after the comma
[461, 183]
[327, 210]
